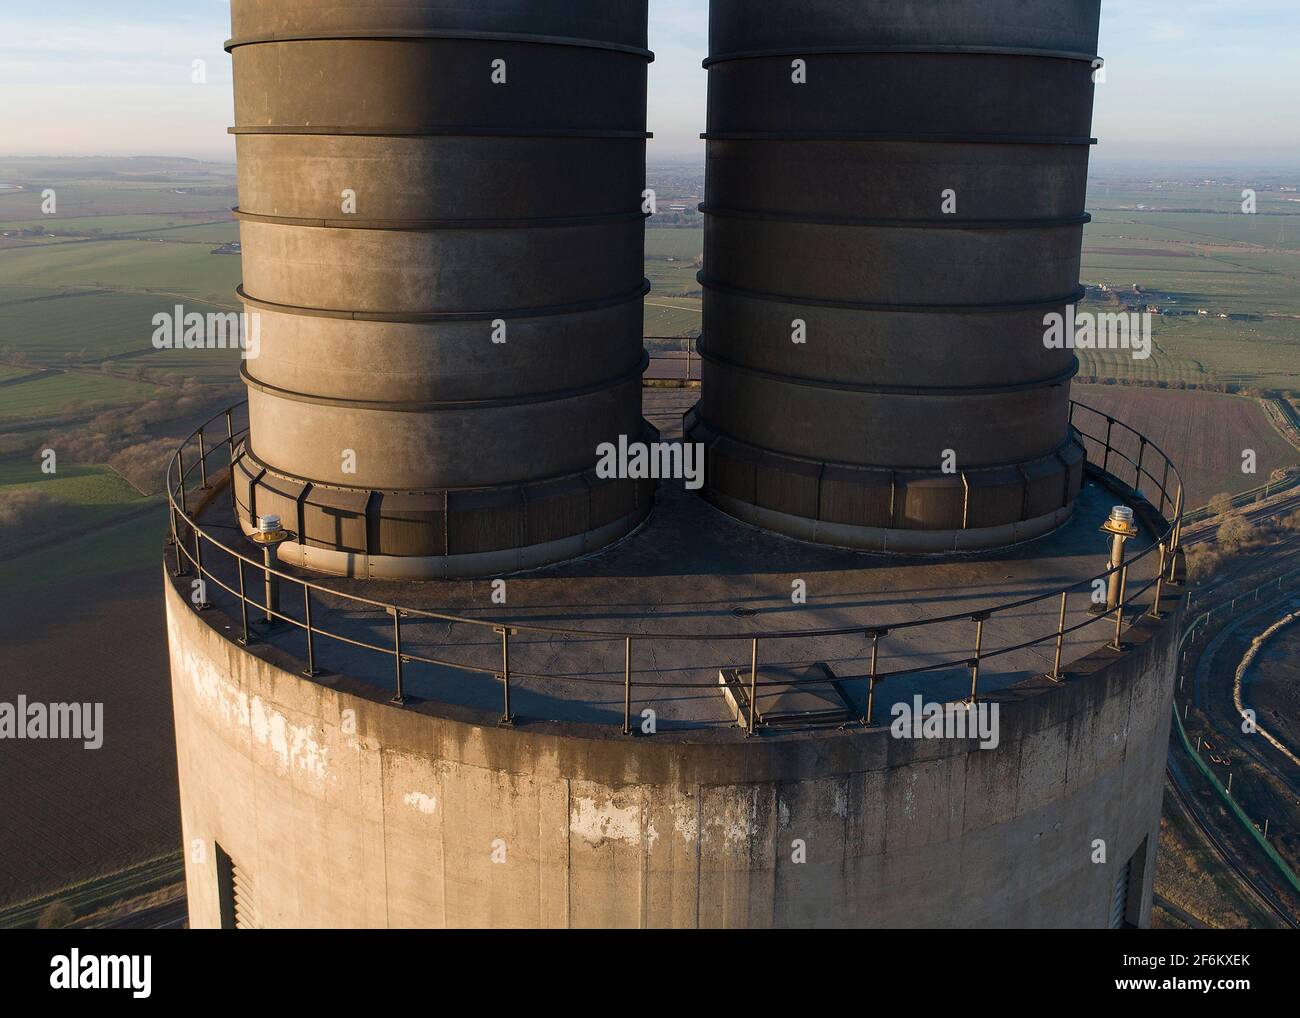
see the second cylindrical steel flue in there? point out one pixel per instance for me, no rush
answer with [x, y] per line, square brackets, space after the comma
[895, 203]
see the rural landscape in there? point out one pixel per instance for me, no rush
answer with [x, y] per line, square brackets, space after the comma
[91, 249]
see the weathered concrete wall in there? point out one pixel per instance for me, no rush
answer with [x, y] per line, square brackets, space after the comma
[343, 810]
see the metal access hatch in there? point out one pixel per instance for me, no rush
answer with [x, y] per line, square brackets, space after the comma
[788, 696]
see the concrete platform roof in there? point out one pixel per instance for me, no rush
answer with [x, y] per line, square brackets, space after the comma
[692, 589]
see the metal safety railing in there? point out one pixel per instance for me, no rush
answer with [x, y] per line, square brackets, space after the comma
[189, 538]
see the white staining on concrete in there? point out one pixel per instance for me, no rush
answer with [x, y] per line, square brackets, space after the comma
[686, 823]
[609, 821]
[295, 748]
[421, 802]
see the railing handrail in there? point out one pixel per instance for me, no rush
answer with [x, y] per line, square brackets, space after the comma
[1166, 543]
[173, 492]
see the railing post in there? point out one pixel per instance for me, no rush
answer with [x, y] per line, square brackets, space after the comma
[507, 719]
[311, 671]
[979, 621]
[627, 685]
[399, 696]
[271, 585]
[1142, 452]
[1060, 640]
[876, 634]
[1110, 427]
[180, 477]
[1160, 583]
[753, 685]
[176, 542]
[1119, 607]
[230, 444]
[202, 604]
[203, 463]
[1176, 542]
[243, 601]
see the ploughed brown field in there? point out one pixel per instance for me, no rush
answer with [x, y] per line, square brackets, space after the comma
[1204, 433]
[73, 813]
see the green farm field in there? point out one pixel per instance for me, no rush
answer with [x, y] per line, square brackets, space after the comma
[111, 225]
[671, 317]
[674, 306]
[1190, 247]
[671, 261]
[69, 392]
[186, 270]
[89, 498]
[98, 324]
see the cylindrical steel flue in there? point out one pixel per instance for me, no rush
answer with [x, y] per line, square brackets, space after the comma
[443, 238]
[895, 201]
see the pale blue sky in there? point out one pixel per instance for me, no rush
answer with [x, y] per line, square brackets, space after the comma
[1188, 82]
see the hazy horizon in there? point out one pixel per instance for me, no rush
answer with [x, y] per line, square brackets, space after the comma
[1188, 84]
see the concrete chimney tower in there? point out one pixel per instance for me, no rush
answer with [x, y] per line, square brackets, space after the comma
[707, 725]
[895, 202]
[440, 208]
